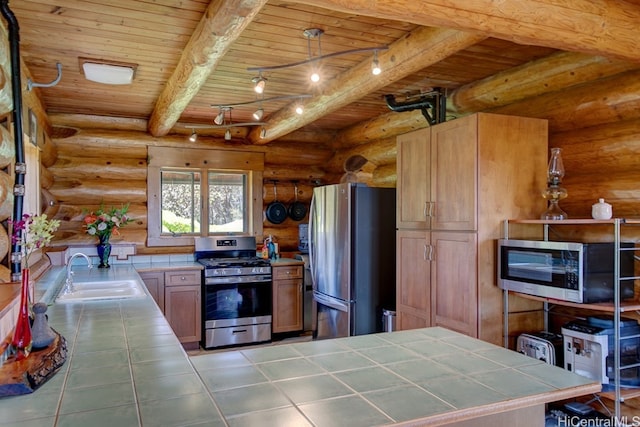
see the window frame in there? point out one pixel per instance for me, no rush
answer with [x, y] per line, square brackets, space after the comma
[204, 160]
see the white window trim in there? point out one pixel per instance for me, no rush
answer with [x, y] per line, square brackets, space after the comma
[200, 159]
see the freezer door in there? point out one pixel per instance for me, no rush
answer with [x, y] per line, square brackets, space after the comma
[333, 318]
[330, 241]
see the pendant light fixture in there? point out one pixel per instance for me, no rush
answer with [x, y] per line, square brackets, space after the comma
[375, 65]
[312, 33]
[259, 113]
[194, 136]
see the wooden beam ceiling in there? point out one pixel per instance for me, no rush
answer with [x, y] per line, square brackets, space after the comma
[221, 25]
[598, 27]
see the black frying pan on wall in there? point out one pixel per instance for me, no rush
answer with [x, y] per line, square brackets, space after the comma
[297, 210]
[276, 212]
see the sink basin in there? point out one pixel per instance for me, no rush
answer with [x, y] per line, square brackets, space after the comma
[101, 290]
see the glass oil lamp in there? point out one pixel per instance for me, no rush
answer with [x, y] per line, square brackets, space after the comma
[554, 192]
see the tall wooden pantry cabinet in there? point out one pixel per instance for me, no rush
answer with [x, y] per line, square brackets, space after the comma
[457, 182]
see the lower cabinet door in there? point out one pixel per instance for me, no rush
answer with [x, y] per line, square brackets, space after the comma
[182, 310]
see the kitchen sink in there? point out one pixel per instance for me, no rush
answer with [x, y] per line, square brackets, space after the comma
[101, 290]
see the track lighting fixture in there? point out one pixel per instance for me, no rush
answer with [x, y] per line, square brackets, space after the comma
[263, 133]
[227, 135]
[259, 83]
[316, 33]
[220, 117]
[194, 136]
[312, 33]
[258, 114]
[375, 65]
[299, 109]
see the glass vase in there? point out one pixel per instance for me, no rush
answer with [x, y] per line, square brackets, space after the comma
[104, 251]
[22, 341]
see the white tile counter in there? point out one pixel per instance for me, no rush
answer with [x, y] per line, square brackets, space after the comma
[126, 367]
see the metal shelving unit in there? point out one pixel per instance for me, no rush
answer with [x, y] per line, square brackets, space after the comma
[617, 307]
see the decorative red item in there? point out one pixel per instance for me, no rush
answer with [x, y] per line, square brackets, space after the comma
[21, 342]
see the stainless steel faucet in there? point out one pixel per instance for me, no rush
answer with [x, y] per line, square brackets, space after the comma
[68, 283]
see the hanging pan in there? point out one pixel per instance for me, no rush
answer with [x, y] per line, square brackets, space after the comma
[297, 210]
[276, 212]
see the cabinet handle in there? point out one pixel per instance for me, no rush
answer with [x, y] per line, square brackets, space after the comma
[430, 256]
[430, 211]
[183, 278]
[424, 252]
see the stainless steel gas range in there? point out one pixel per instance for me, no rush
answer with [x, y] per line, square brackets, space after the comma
[236, 292]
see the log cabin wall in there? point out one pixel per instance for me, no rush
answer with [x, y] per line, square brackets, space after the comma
[111, 168]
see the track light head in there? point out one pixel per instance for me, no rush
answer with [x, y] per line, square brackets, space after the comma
[219, 118]
[258, 114]
[315, 77]
[375, 65]
[299, 109]
[194, 136]
[227, 135]
[259, 83]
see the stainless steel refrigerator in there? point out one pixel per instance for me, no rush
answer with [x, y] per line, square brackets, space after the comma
[352, 254]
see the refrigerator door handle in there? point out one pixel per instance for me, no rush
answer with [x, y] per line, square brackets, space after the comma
[330, 302]
[312, 269]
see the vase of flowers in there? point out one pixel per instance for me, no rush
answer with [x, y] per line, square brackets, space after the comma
[103, 223]
[32, 232]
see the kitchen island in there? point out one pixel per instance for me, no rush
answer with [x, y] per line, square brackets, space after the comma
[126, 367]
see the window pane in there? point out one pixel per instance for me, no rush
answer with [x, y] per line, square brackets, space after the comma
[180, 207]
[227, 202]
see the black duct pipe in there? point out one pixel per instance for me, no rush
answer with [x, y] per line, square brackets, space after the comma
[20, 167]
[436, 102]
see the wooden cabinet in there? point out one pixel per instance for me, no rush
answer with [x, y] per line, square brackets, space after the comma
[182, 293]
[154, 281]
[178, 294]
[473, 172]
[287, 297]
[413, 280]
[413, 184]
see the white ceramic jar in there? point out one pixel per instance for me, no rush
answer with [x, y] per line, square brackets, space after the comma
[601, 210]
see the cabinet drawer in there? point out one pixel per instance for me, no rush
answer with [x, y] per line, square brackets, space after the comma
[178, 278]
[287, 272]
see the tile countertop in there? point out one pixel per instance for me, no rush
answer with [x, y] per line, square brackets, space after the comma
[126, 367]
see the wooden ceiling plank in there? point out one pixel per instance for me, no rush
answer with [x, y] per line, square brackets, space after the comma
[220, 26]
[599, 27]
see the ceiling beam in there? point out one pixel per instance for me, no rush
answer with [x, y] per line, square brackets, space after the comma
[529, 81]
[599, 27]
[551, 73]
[414, 52]
[221, 24]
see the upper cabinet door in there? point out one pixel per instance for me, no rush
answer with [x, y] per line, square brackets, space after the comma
[454, 174]
[413, 175]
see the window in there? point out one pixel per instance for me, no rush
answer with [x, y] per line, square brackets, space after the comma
[190, 188]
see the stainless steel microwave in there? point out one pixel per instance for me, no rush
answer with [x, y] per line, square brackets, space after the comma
[568, 271]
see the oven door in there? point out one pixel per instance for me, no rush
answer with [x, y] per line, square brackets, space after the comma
[227, 300]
